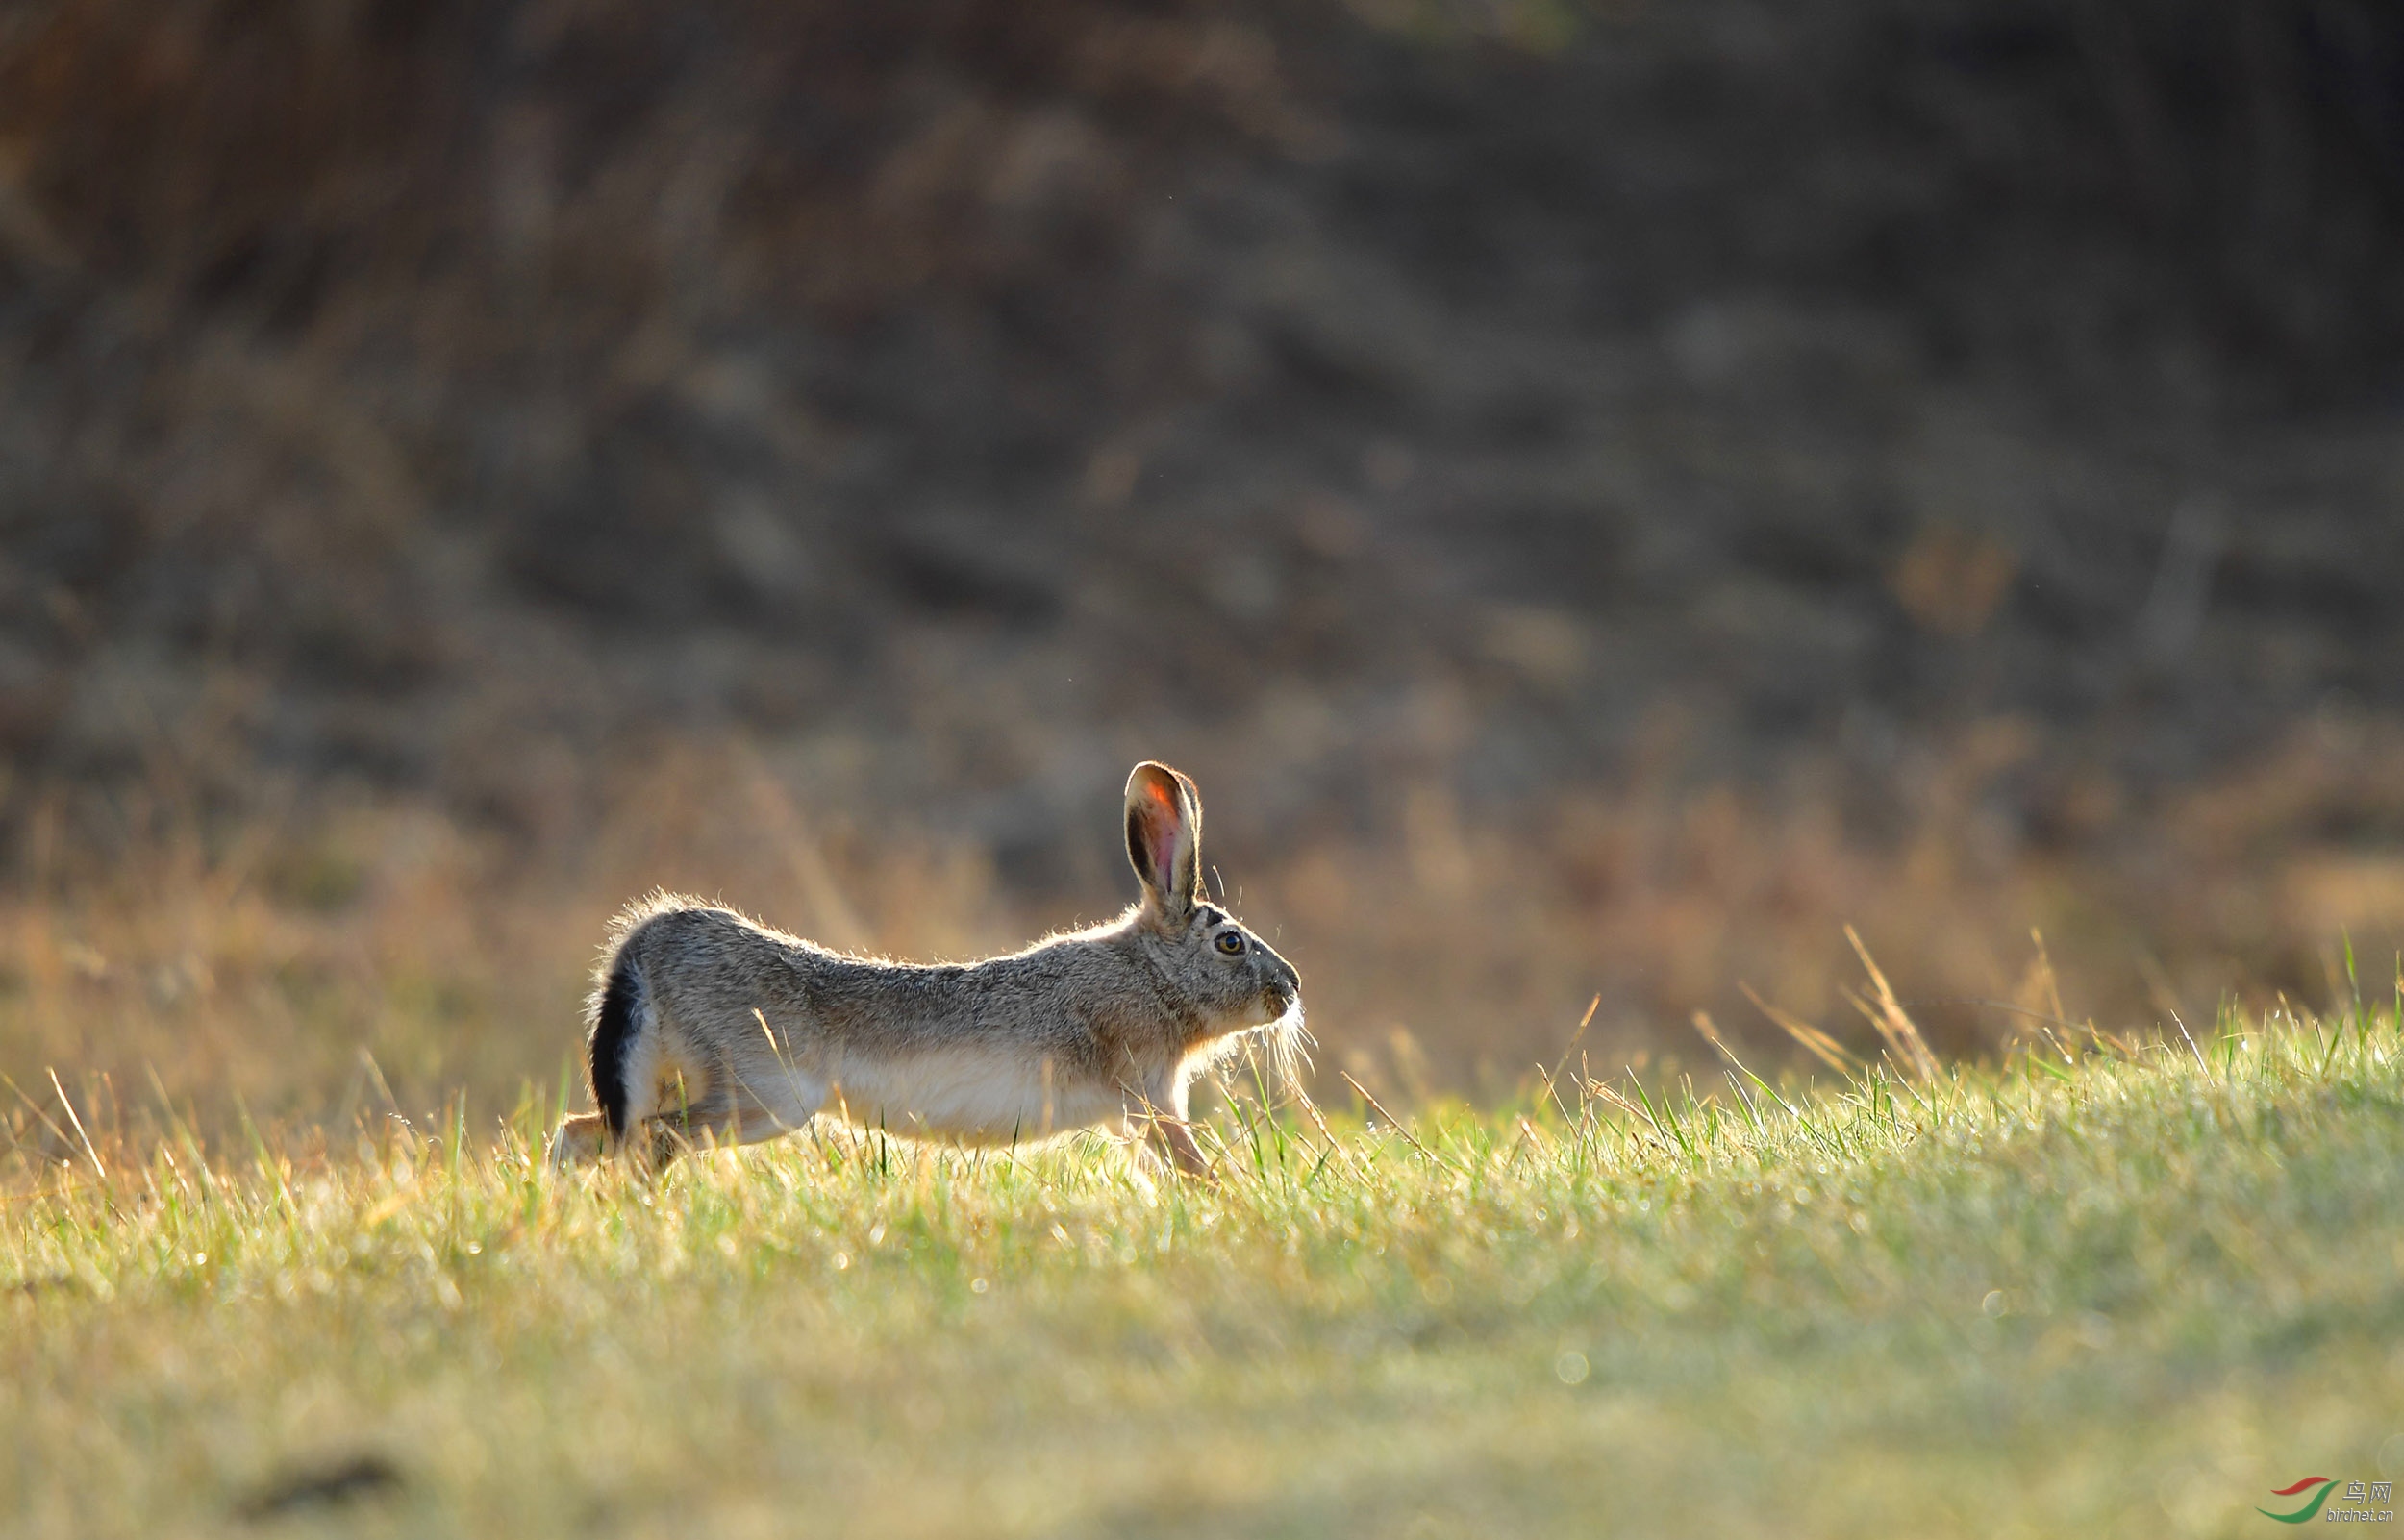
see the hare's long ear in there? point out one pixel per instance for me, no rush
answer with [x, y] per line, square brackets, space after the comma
[1165, 840]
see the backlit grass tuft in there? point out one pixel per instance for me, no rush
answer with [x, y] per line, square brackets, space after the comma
[2121, 1293]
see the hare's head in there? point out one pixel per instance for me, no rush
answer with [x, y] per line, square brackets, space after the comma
[1233, 980]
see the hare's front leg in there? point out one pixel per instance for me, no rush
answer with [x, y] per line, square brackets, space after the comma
[1163, 1117]
[1178, 1135]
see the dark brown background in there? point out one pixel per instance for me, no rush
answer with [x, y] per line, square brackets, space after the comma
[1600, 496]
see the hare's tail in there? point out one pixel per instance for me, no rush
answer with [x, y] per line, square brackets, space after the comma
[616, 1026]
[634, 1056]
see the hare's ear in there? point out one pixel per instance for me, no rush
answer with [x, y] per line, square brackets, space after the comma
[1165, 840]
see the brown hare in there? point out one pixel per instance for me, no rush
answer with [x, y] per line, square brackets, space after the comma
[704, 1025]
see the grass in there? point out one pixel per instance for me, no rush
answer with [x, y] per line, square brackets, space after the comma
[2122, 1293]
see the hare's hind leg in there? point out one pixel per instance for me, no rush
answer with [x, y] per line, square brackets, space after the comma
[581, 1137]
[692, 1110]
[731, 1107]
[772, 1097]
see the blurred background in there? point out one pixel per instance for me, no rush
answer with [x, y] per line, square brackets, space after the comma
[1601, 495]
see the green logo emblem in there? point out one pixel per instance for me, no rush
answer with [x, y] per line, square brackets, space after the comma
[2305, 1514]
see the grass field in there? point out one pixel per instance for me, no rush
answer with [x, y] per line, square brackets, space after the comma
[2124, 1292]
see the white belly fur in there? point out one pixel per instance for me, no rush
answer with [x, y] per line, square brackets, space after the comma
[981, 1098]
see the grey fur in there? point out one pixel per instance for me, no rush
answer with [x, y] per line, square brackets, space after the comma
[733, 1032]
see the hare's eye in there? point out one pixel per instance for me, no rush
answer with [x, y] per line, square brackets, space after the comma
[1231, 943]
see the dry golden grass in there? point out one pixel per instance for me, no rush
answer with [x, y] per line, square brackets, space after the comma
[308, 966]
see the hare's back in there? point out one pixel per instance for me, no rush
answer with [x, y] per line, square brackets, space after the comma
[700, 959]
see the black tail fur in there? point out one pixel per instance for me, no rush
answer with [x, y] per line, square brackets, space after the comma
[612, 1035]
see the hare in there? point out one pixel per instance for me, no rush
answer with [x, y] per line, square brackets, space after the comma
[704, 1024]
